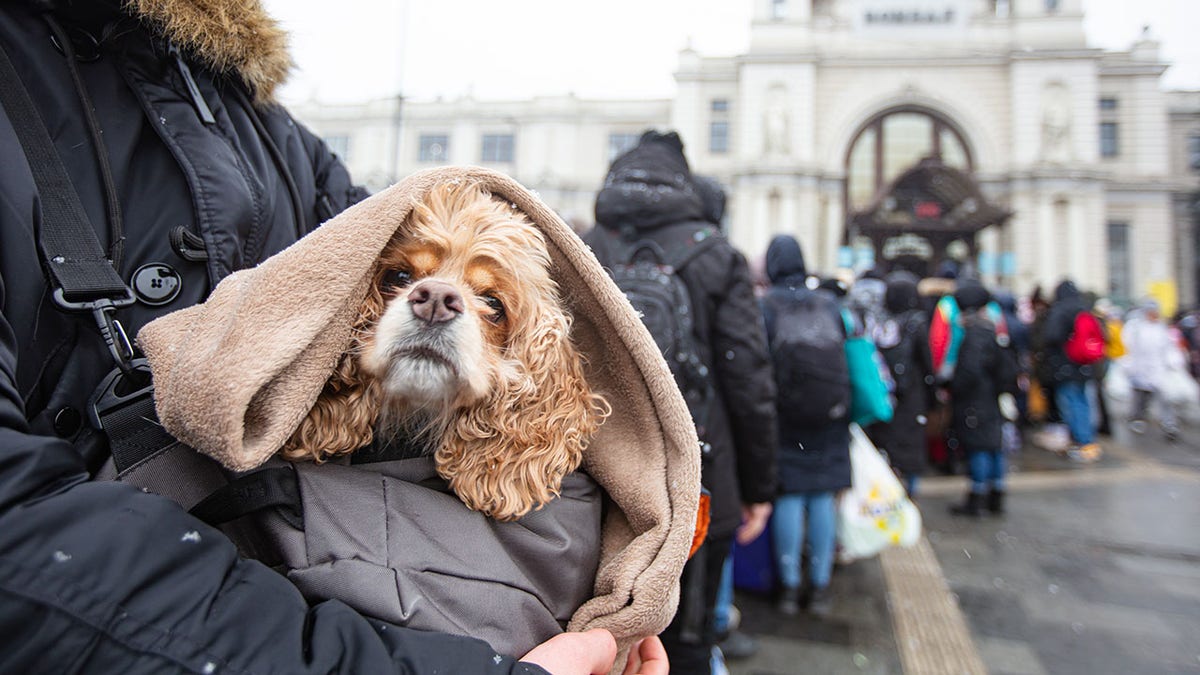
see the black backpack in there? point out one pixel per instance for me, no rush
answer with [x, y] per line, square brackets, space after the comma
[648, 275]
[808, 349]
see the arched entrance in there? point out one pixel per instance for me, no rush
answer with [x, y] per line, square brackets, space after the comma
[910, 194]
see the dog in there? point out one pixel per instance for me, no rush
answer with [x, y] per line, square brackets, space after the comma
[463, 344]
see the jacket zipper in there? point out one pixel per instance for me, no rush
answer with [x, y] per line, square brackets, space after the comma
[202, 108]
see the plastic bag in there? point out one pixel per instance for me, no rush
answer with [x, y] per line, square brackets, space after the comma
[875, 512]
[1179, 388]
[1117, 386]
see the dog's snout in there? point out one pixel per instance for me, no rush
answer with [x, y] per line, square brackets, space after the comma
[435, 302]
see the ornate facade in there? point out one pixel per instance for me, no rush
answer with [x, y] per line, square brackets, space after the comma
[880, 132]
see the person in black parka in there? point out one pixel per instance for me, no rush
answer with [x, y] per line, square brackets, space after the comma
[649, 193]
[164, 118]
[986, 368]
[1070, 379]
[814, 456]
[903, 340]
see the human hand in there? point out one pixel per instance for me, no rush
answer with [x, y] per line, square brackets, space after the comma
[648, 657]
[754, 521]
[589, 653]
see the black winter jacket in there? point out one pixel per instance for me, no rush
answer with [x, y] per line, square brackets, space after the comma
[98, 576]
[982, 374]
[811, 458]
[1060, 323]
[903, 340]
[649, 193]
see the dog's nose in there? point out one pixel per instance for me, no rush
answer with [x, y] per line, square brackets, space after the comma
[435, 302]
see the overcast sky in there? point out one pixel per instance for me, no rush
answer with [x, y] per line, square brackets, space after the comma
[514, 49]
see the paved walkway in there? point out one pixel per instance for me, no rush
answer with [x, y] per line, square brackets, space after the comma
[1095, 569]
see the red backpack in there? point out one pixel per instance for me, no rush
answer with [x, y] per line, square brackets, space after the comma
[1086, 343]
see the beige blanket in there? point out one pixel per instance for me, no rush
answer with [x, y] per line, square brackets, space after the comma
[235, 375]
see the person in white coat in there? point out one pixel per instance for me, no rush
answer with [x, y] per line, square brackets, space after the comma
[1151, 356]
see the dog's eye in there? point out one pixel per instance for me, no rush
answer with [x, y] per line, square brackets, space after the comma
[496, 306]
[397, 278]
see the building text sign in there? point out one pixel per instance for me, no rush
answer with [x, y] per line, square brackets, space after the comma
[907, 16]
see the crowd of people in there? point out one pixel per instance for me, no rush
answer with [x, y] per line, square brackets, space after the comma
[972, 373]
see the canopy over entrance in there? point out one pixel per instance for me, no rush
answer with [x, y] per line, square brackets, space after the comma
[912, 222]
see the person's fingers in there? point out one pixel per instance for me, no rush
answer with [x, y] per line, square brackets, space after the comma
[588, 653]
[634, 661]
[653, 656]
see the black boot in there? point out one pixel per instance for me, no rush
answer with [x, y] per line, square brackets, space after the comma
[995, 502]
[789, 602]
[971, 507]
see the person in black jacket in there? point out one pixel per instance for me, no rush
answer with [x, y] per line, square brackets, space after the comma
[163, 116]
[986, 368]
[903, 340]
[649, 193]
[1070, 379]
[814, 453]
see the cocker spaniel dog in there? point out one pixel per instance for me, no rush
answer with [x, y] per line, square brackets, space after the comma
[463, 344]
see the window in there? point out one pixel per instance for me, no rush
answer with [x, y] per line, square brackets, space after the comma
[893, 143]
[619, 143]
[497, 148]
[778, 9]
[1109, 146]
[1051, 6]
[339, 145]
[1193, 149]
[718, 137]
[720, 105]
[1108, 104]
[434, 148]
[1120, 271]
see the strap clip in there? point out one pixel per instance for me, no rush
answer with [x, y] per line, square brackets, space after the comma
[102, 310]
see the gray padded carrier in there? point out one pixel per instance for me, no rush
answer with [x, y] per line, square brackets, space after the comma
[390, 540]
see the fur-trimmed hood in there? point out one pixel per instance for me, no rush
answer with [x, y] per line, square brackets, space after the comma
[231, 37]
[235, 375]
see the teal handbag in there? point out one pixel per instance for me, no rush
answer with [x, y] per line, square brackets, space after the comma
[869, 398]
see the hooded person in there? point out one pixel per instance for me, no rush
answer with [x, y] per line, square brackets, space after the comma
[1151, 356]
[984, 372]
[1069, 378]
[160, 119]
[712, 195]
[650, 195]
[807, 333]
[903, 340]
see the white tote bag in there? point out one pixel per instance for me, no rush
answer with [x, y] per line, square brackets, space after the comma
[875, 512]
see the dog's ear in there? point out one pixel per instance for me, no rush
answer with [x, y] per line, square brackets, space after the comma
[341, 421]
[507, 455]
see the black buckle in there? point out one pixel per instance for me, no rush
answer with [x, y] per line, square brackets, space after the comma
[110, 328]
[119, 389]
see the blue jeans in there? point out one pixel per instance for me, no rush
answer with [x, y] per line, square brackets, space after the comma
[1073, 406]
[792, 512]
[987, 470]
[724, 598]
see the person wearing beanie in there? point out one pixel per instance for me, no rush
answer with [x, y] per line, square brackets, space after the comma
[986, 369]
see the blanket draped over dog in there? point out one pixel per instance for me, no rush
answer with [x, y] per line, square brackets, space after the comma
[236, 375]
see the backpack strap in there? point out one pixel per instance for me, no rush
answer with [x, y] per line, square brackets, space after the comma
[76, 265]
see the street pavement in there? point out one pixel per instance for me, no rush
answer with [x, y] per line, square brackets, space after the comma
[1094, 569]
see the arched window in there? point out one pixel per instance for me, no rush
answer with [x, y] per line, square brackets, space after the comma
[893, 142]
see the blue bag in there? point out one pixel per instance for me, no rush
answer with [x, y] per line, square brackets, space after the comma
[870, 401]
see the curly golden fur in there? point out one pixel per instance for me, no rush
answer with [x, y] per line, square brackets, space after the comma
[462, 341]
